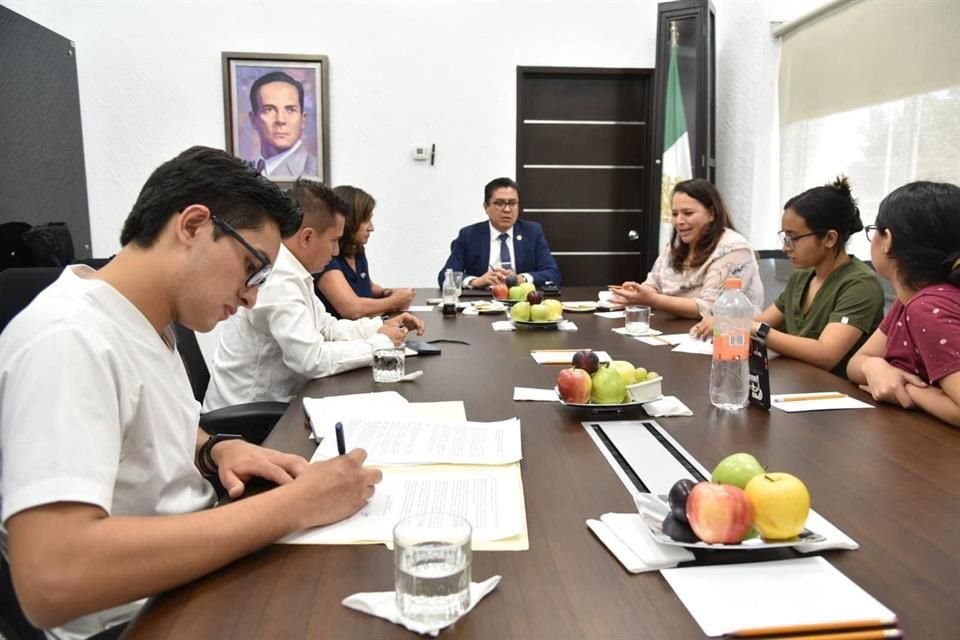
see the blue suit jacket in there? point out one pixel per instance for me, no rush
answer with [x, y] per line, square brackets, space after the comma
[470, 252]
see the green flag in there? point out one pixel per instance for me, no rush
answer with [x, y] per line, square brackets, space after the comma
[676, 142]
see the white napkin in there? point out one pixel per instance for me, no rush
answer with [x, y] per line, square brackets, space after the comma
[623, 331]
[535, 395]
[835, 538]
[667, 406]
[507, 325]
[629, 540]
[609, 314]
[470, 311]
[383, 604]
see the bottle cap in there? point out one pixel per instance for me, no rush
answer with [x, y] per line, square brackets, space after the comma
[733, 283]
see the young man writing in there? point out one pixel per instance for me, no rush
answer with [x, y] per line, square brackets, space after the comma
[102, 499]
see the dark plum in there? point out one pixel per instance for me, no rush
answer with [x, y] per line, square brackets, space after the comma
[679, 531]
[677, 499]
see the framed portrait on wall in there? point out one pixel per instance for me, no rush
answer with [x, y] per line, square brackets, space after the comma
[276, 113]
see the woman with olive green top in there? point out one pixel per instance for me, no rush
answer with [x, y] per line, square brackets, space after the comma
[850, 296]
[833, 302]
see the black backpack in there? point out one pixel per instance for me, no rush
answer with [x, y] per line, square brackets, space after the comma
[46, 245]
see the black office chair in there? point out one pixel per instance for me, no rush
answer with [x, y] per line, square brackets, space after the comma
[775, 270]
[252, 420]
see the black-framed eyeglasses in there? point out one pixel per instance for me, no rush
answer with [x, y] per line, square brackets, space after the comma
[505, 204]
[871, 231]
[790, 242]
[258, 277]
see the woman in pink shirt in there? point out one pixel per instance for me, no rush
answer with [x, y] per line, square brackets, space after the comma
[913, 359]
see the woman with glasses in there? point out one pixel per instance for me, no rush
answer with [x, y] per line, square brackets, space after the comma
[913, 359]
[345, 286]
[704, 250]
[833, 301]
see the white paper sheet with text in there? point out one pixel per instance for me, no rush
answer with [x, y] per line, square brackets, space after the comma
[563, 356]
[412, 440]
[486, 496]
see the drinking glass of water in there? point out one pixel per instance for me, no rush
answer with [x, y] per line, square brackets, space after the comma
[388, 364]
[637, 319]
[432, 557]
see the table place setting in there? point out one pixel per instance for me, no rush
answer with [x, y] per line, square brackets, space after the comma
[816, 401]
[507, 325]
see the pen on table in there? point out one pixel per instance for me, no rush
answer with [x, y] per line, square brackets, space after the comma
[341, 445]
[813, 396]
[863, 634]
[848, 626]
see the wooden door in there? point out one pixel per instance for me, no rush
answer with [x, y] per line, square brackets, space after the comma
[583, 166]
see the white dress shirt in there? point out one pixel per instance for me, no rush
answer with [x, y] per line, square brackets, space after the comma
[271, 351]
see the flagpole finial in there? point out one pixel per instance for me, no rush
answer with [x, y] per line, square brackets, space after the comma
[674, 34]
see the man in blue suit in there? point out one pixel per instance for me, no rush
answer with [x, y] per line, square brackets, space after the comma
[488, 252]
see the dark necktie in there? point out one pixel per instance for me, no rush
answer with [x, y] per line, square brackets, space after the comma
[505, 261]
[261, 166]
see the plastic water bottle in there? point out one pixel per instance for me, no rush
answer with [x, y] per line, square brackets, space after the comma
[449, 292]
[729, 373]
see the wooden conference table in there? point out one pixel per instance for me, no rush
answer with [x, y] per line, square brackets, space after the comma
[889, 478]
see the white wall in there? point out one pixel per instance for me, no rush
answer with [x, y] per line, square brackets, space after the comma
[401, 74]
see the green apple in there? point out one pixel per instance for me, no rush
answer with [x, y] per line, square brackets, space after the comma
[517, 293]
[640, 375]
[527, 287]
[626, 371]
[737, 469]
[555, 307]
[607, 386]
[652, 375]
[521, 311]
[539, 312]
[781, 504]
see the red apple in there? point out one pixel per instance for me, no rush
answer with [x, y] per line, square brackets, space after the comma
[574, 385]
[586, 360]
[719, 513]
[534, 297]
[499, 291]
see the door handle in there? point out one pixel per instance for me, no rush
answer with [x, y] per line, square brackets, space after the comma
[632, 235]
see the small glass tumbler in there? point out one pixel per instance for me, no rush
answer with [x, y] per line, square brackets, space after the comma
[388, 364]
[637, 319]
[432, 558]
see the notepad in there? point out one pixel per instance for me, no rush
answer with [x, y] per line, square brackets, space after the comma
[816, 401]
[563, 356]
[804, 591]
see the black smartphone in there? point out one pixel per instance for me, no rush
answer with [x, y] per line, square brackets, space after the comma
[423, 348]
[550, 289]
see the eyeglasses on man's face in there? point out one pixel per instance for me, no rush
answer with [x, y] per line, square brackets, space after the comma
[789, 241]
[505, 204]
[258, 277]
[871, 231]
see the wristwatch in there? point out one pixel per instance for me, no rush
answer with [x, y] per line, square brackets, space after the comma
[205, 461]
[762, 330]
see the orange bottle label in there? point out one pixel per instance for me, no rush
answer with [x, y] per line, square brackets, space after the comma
[731, 346]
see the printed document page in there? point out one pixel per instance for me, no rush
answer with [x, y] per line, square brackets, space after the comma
[486, 496]
[412, 440]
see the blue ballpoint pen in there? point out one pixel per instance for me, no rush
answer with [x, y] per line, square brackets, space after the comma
[341, 445]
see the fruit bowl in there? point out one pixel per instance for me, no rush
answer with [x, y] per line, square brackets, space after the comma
[654, 508]
[507, 301]
[548, 325]
[647, 390]
[601, 408]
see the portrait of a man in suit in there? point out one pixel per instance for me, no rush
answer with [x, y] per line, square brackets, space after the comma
[276, 108]
[277, 114]
[488, 252]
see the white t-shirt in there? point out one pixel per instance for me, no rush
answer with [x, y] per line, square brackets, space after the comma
[95, 407]
[271, 351]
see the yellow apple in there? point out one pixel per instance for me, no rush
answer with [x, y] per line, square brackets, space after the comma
[781, 504]
[625, 369]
